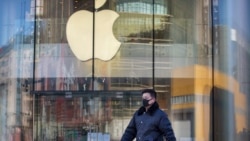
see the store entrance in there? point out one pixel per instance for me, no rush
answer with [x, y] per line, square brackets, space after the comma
[87, 116]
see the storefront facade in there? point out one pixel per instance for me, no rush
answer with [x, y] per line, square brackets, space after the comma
[73, 69]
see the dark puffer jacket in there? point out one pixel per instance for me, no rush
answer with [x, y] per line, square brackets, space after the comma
[152, 125]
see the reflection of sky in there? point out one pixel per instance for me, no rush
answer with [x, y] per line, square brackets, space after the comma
[235, 14]
[241, 16]
[12, 18]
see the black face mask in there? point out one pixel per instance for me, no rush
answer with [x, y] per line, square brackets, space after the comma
[145, 102]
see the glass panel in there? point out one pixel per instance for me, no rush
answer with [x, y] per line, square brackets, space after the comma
[231, 71]
[130, 65]
[85, 116]
[87, 62]
[183, 65]
[162, 46]
[59, 51]
[16, 69]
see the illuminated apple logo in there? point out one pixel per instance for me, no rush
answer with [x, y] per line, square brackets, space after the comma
[79, 32]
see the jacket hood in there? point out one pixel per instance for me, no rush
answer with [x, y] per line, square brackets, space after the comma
[151, 110]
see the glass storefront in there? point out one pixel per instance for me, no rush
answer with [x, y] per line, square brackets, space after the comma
[72, 70]
[85, 116]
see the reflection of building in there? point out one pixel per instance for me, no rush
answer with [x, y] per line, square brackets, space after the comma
[16, 101]
[195, 58]
[191, 101]
[191, 98]
[8, 85]
[3, 90]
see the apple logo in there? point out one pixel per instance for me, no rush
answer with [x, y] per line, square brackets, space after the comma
[79, 32]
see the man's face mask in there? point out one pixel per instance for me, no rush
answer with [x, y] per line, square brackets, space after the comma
[145, 102]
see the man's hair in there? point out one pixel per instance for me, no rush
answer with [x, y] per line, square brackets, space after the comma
[152, 92]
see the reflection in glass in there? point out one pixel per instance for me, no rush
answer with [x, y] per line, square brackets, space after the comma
[47, 93]
[57, 68]
[16, 70]
[180, 58]
[83, 116]
[131, 67]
